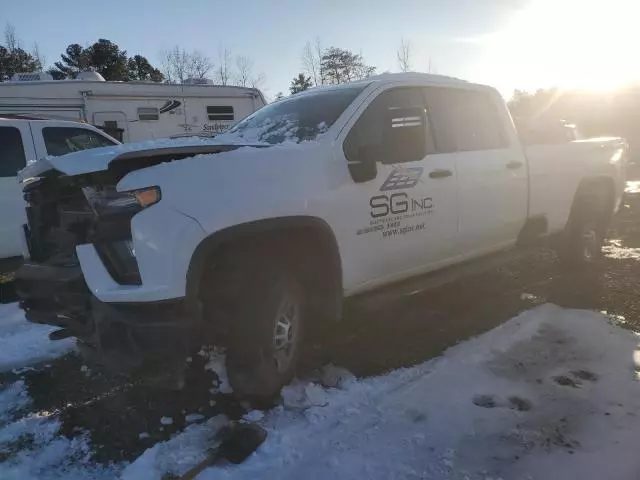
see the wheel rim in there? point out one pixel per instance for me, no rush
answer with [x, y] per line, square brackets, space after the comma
[285, 333]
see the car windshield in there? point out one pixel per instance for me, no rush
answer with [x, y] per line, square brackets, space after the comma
[297, 119]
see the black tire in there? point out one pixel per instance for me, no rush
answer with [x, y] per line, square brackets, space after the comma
[266, 330]
[586, 231]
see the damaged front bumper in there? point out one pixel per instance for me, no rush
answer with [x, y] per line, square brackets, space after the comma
[122, 337]
[84, 273]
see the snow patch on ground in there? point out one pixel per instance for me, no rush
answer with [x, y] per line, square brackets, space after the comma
[216, 363]
[550, 394]
[23, 343]
[44, 454]
[560, 401]
[166, 421]
[12, 398]
[619, 253]
[177, 455]
[193, 417]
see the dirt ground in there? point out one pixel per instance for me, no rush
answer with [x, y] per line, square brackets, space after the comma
[400, 333]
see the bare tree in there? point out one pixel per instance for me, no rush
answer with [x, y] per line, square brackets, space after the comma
[245, 75]
[175, 65]
[11, 38]
[312, 61]
[404, 56]
[200, 64]
[223, 71]
[258, 80]
[38, 55]
[179, 65]
[244, 71]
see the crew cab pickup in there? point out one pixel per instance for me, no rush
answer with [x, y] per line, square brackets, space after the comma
[145, 252]
[27, 139]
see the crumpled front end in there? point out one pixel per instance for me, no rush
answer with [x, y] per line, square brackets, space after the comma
[71, 214]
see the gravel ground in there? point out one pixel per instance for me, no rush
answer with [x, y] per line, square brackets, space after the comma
[400, 333]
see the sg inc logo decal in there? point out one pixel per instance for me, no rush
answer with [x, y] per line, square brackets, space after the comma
[402, 179]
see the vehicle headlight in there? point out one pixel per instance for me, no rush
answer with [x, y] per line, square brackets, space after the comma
[111, 230]
[109, 200]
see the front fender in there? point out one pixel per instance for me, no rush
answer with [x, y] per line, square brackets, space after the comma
[209, 245]
[164, 241]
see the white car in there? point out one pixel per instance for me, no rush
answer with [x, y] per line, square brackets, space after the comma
[147, 251]
[24, 139]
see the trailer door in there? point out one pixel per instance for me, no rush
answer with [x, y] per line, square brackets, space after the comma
[113, 123]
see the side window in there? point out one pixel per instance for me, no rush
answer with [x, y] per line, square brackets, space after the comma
[393, 129]
[63, 140]
[220, 112]
[464, 120]
[12, 156]
[148, 113]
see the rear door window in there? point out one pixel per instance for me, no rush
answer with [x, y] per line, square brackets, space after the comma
[464, 120]
[63, 140]
[12, 156]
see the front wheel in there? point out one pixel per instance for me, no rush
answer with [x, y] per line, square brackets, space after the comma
[266, 332]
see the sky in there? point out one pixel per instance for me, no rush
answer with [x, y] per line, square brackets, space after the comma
[510, 44]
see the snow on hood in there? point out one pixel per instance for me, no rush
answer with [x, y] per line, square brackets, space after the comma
[98, 159]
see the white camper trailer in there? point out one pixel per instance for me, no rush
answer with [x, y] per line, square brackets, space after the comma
[131, 111]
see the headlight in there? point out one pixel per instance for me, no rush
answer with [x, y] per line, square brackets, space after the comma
[108, 200]
[111, 230]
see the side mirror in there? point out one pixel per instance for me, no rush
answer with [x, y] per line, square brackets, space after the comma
[363, 166]
[405, 135]
[361, 159]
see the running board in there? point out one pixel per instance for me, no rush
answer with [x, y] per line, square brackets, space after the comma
[414, 286]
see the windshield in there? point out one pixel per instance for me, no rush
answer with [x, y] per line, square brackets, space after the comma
[295, 120]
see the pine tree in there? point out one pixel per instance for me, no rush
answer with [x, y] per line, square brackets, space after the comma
[14, 61]
[106, 58]
[300, 83]
[342, 66]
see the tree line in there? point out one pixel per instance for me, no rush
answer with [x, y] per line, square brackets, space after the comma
[114, 64]
[320, 66]
[333, 65]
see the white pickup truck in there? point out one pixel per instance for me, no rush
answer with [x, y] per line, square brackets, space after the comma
[26, 139]
[145, 252]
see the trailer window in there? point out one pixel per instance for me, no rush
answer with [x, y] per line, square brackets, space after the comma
[63, 140]
[220, 112]
[12, 156]
[148, 113]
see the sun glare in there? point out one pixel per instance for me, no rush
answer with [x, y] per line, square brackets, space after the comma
[588, 44]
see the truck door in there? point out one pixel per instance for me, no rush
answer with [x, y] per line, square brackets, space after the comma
[405, 219]
[472, 128]
[16, 148]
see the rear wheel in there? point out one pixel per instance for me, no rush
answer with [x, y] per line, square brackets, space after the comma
[586, 232]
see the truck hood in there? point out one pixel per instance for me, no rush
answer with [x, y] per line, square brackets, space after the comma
[99, 159]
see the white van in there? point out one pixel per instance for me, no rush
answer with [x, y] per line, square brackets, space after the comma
[131, 111]
[25, 139]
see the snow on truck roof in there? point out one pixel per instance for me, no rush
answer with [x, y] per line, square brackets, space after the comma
[385, 78]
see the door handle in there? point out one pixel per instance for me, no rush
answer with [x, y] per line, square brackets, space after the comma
[440, 174]
[514, 165]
